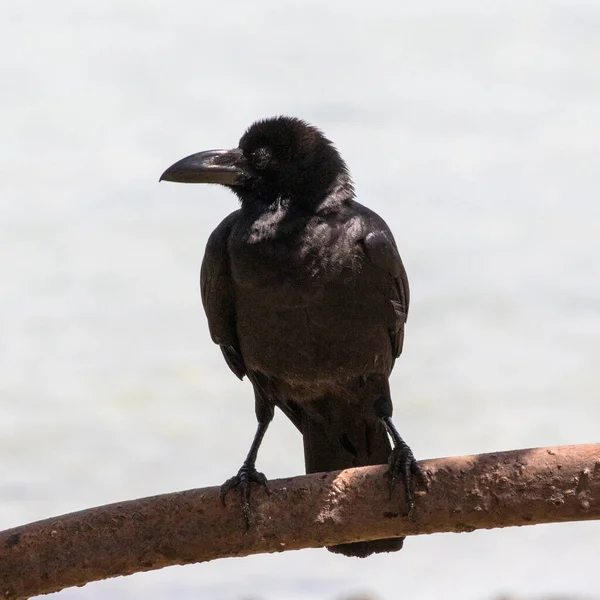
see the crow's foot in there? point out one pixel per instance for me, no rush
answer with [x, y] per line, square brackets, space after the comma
[243, 481]
[403, 465]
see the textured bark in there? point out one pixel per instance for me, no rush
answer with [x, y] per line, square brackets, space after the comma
[522, 487]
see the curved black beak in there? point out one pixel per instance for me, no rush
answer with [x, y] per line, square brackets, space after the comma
[212, 166]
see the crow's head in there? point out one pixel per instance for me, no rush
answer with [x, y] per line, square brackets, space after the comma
[282, 158]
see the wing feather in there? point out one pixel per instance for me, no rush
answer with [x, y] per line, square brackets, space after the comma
[218, 297]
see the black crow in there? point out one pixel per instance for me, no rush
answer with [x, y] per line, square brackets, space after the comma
[306, 295]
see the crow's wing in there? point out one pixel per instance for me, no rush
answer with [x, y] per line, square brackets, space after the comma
[380, 249]
[218, 298]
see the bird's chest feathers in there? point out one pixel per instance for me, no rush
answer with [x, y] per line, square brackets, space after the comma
[278, 253]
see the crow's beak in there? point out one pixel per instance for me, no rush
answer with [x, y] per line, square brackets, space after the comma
[212, 166]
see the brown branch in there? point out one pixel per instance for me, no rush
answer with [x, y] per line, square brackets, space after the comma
[522, 487]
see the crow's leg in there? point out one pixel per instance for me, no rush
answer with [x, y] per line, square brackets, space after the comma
[402, 462]
[248, 473]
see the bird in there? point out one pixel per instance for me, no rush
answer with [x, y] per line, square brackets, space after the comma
[307, 296]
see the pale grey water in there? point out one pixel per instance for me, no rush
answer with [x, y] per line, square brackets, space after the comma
[472, 127]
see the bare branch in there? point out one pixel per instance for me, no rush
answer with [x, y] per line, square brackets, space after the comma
[522, 487]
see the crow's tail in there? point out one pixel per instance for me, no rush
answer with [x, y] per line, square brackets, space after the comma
[336, 439]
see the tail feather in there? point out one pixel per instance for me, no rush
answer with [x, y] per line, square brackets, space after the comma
[336, 439]
[364, 549]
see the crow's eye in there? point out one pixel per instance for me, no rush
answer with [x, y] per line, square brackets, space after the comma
[260, 158]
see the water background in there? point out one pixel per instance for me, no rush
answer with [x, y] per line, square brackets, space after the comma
[473, 128]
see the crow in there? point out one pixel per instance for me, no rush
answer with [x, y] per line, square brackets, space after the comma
[307, 296]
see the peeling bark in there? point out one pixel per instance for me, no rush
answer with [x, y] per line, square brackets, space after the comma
[503, 489]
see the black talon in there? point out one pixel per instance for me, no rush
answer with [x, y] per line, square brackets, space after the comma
[402, 464]
[246, 476]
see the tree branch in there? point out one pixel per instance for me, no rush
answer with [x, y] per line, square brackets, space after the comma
[522, 487]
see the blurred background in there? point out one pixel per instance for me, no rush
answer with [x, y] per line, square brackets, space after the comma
[471, 127]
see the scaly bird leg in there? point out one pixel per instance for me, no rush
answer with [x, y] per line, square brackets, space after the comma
[247, 475]
[403, 465]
